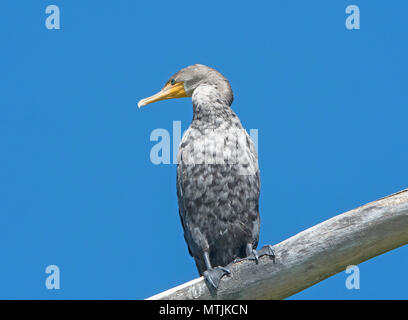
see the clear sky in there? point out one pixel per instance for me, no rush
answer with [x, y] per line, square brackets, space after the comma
[77, 186]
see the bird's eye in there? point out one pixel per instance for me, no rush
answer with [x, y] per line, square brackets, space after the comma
[173, 81]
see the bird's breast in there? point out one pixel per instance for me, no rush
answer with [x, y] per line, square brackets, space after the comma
[221, 146]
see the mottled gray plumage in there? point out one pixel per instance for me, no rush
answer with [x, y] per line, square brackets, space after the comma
[217, 174]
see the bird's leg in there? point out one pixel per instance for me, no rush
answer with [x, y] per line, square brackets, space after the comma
[253, 254]
[213, 275]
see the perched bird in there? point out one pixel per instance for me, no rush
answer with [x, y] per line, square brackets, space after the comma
[217, 174]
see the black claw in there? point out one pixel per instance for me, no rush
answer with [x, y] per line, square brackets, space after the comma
[208, 277]
[214, 275]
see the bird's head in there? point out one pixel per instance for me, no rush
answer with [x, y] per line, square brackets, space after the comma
[183, 84]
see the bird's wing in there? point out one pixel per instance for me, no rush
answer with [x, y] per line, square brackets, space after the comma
[255, 181]
[182, 210]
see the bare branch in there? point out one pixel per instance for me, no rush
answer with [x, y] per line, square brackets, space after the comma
[312, 255]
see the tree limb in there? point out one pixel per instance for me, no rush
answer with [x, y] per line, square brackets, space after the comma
[312, 255]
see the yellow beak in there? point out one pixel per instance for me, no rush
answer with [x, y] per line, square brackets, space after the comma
[170, 91]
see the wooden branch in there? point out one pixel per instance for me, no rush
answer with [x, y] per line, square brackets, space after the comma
[312, 255]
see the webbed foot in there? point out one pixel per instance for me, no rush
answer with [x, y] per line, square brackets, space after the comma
[214, 275]
[264, 251]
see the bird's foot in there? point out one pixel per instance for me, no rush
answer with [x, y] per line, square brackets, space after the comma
[214, 275]
[265, 251]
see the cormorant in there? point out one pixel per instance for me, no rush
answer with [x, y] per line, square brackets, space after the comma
[217, 174]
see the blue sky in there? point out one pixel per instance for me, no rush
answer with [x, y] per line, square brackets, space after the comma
[78, 189]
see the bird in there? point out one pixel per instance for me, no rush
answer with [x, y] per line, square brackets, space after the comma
[218, 179]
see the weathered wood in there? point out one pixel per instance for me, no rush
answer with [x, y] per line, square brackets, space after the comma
[312, 255]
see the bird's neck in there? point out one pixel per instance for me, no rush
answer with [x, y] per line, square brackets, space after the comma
[211, 105]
